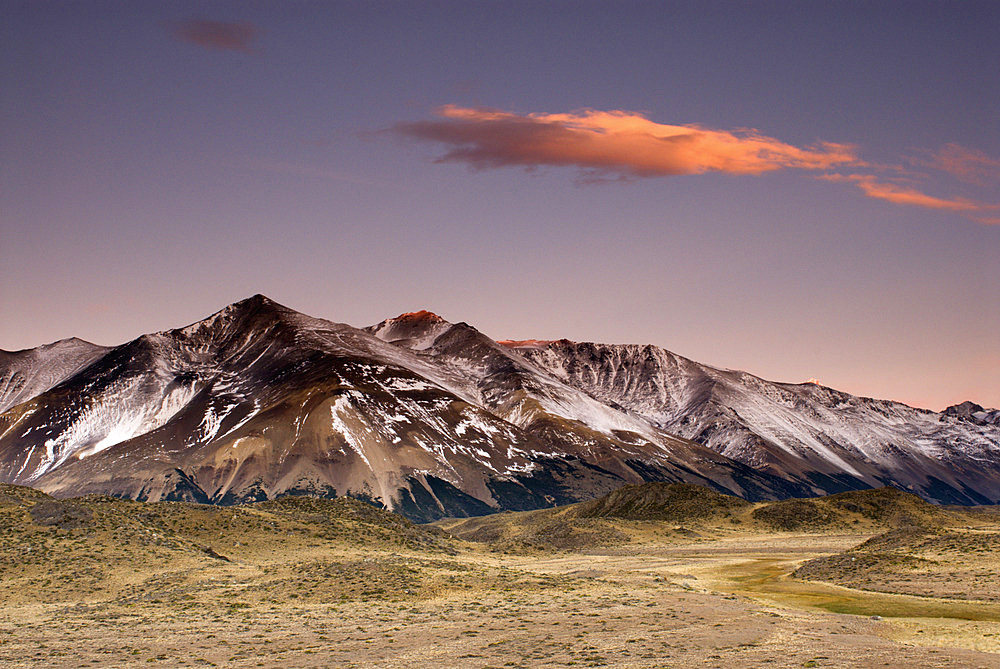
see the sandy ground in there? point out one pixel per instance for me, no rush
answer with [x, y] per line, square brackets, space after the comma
[723, 603]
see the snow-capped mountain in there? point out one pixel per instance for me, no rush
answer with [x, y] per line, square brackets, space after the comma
[808, 433]
[259, 400]
[432, 418]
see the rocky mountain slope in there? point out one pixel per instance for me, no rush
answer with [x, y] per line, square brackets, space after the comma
[820, 437]
[26, 374]
[435, 419]
[259, 401]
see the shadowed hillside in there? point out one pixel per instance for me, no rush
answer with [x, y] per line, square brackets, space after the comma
[878, 508]
[680, 511]
[674, 502]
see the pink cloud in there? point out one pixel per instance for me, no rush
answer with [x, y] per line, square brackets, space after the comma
[898, 194]
[628, 145]
[967, 164]
[613, 142]
[238, 36]
[902, 195]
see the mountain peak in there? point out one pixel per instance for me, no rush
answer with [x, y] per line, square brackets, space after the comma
[255, 304]
[963, 409]
[76, 341]
[255, 301]
[64, 345]
[973, 413]
[417, 330]
[422, 316]
[252, 312]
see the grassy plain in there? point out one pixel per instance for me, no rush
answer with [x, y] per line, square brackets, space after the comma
[656, 577]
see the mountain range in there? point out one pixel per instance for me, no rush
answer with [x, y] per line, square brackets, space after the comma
[435, 419]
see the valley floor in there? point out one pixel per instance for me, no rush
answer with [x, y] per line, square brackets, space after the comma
[715, 603]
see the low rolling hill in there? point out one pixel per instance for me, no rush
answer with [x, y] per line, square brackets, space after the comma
[678, 511]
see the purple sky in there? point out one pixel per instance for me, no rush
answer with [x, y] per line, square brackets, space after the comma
[802, 190]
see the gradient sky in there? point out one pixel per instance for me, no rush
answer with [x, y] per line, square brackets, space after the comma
[798, 189]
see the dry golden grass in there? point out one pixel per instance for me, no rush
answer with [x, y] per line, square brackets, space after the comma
[314, 583]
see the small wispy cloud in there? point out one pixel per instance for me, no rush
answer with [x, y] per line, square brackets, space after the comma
[897, 194]
[626, 144]
[231, 36]
[967, 164]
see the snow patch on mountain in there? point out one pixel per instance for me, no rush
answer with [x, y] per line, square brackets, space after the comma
[123, 412]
